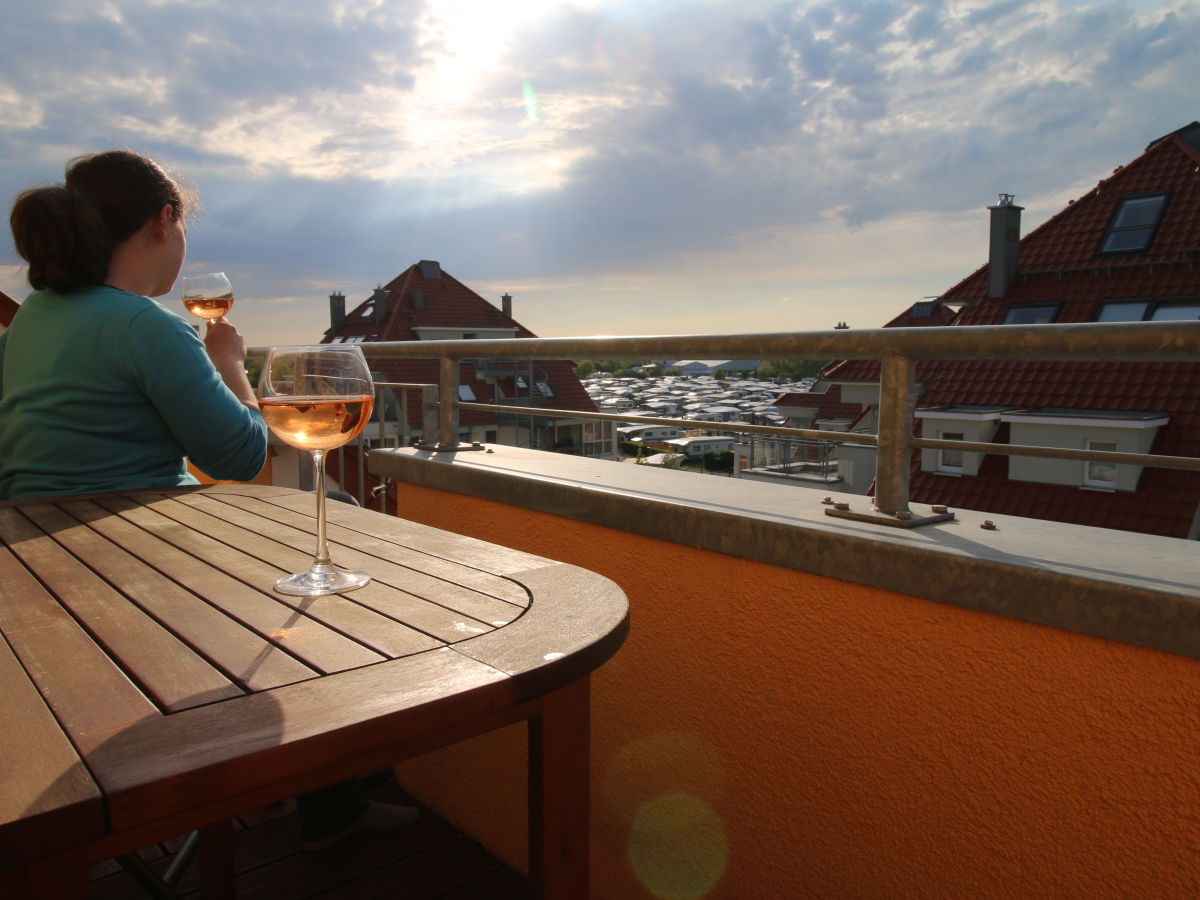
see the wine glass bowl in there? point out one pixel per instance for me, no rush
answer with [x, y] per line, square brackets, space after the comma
[209, 296]
[317, 398]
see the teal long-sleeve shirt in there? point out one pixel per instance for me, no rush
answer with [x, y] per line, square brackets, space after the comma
[103, 390]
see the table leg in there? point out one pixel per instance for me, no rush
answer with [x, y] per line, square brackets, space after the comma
[559, 782]
[217, 878]
[49, 878]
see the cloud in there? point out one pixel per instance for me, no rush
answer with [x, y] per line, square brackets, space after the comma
[336, 142]
[221, 83]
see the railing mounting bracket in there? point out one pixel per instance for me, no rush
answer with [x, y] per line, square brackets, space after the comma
[901, 519]
[450, 448]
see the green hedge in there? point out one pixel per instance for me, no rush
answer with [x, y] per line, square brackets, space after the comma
[719, 462]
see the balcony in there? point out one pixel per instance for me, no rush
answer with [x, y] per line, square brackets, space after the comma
[822, 705]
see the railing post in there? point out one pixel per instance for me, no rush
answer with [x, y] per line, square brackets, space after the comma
[429, 415]
[402, 439]
[448, 398]
[897, 398]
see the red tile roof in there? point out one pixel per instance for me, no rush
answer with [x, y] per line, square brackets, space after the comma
[1060, 262]
[425, 296]
[827, 398]
[868, 369]
[8, 309]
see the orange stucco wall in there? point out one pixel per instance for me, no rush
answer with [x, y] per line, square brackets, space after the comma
[766, 733]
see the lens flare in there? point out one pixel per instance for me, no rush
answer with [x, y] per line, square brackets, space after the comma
[665, 785]
[662, 762]
[677, 846]
[530, 98]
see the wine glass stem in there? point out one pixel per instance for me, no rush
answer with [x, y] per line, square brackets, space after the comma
[321, 559]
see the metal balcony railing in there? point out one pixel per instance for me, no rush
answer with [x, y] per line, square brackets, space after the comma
[897, 349]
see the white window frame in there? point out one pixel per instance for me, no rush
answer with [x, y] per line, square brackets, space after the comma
[950, 468]
[1091, 467]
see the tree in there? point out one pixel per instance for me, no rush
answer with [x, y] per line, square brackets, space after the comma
[791, 369]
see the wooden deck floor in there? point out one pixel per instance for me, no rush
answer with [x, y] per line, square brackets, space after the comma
[429, 859]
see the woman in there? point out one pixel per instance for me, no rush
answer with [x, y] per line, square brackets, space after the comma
[101, 388]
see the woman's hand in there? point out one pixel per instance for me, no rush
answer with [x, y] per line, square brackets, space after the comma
[227, 349]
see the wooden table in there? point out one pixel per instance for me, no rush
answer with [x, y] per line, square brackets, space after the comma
[153, 683]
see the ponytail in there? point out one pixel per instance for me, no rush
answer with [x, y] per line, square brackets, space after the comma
[66, 243]
[69, 232]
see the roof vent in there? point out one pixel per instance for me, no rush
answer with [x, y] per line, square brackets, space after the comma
[430, 268]
[418, 299]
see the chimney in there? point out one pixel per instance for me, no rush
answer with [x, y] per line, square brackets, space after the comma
[506, 305]
[379, 298]
[1004, 245]
[337, 310]
[429, 268]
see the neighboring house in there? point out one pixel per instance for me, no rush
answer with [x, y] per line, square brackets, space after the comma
[824, 408]
[426, 303]
[696, 447]
[648, 433]
[1127, 250]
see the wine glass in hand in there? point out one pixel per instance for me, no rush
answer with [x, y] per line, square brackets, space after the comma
[317, 399]
[207, 296]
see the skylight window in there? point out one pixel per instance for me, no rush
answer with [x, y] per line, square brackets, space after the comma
[1031, 313]
[1132, 229]
[1151, 309]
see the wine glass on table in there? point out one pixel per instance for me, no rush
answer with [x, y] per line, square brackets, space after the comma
[317, 399]
[208, 296]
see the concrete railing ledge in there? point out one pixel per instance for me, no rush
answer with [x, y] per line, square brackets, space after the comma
[1123, 586]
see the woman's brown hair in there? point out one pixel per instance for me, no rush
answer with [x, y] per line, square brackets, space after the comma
[68, 232]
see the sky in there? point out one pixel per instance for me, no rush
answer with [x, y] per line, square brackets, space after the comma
[652, 167]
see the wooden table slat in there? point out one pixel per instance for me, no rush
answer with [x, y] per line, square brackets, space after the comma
[298, 531]
[417, 567]
[162, 665]
[424, 540]
[202, 563]
[244, 656]
[92, 694]
[55, 793]
[345, 614]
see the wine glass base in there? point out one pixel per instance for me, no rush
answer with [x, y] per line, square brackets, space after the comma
[319, 584]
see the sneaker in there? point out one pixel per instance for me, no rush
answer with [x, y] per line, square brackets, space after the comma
[378, 819]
